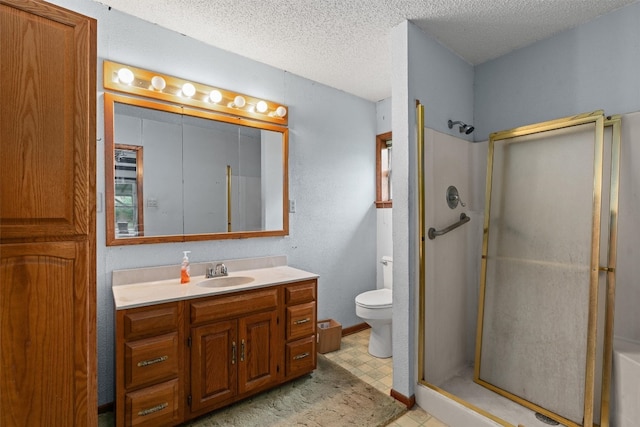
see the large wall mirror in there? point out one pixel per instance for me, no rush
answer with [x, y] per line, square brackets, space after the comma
[180, 174]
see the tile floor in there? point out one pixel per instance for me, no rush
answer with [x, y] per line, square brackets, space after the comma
[353, 356]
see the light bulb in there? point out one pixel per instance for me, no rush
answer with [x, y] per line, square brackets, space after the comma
[261, 106]
[158, 83]
[125, 76]
[239, 101]
[215, 96]
[281, 111]
[188, 90]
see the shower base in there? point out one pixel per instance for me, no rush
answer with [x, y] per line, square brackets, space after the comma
[462, 386]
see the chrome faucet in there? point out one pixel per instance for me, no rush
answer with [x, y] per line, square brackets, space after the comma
[218, 271]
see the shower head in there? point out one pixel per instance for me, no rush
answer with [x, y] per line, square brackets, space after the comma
[464, 128]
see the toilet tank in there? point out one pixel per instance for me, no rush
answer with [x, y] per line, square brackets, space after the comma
[387, 271]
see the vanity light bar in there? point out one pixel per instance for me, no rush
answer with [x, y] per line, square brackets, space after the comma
[138, 81]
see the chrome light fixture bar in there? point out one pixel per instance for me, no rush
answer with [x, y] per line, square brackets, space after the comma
[132, 80]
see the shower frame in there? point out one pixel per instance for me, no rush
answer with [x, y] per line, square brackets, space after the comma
[614, 123]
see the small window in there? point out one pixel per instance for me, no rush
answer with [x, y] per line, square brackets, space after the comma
[383, 170]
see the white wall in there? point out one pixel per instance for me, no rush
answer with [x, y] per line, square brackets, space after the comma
[331, 172]
[423, 70]
[594, 66]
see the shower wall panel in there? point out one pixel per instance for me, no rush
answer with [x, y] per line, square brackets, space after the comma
[450, 310]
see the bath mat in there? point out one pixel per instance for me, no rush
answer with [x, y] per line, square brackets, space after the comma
[329, 397]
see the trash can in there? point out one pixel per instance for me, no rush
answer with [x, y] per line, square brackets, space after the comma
[329, 335]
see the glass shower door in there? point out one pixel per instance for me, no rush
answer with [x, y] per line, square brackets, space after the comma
[536, 338]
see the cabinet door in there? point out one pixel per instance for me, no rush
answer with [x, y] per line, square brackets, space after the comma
[214, 361]
[259, 354]
[44, 318]
[47, 130]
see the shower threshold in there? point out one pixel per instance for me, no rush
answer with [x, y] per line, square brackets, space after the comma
[463, 387]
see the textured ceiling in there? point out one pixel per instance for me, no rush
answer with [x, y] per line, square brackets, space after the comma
[345, 43]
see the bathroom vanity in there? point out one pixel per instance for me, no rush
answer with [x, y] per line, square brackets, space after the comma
[185, 350]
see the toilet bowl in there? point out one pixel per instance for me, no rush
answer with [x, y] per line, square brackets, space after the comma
[375, 308]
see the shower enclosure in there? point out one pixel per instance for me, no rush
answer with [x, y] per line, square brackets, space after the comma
[538, 336]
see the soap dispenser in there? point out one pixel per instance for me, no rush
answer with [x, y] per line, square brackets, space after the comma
[184, 269]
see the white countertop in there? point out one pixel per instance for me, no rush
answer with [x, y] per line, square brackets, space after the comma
[148, 293]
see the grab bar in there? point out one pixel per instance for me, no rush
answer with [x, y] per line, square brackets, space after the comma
[433, 233]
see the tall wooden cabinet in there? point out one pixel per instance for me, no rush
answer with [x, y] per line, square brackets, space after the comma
[47, 216]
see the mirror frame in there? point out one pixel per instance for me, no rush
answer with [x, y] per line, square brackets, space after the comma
[109, 129]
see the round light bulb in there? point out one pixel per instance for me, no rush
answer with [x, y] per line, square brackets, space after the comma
[215, 96]
[188, 90]
[239, 101]
[158, 83]
[125, 76]
[281, 111]
[261, 106]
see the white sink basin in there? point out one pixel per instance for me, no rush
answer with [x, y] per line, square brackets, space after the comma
[225, 281]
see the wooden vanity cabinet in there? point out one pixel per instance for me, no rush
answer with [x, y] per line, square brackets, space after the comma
[300, 328]
[179, 360]
[150, 357]
[234, 347]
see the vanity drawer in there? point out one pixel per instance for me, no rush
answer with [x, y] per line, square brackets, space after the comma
[151, 360]
[300, 356]
[303, 292]
[153, 406]
[149, 321]
[234, 305]
[301, 320]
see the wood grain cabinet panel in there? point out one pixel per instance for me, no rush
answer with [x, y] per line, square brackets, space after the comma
[154, 406]
[47, 216]
[151, 360]
[150, 350]
[48, 121]
[301, 320]
[300, 328]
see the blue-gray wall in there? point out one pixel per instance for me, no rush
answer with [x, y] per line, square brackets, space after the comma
[591, 67]
[331, 172]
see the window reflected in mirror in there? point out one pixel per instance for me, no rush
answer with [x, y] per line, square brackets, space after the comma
[128, 190]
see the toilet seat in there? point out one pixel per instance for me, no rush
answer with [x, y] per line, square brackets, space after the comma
[378, 299]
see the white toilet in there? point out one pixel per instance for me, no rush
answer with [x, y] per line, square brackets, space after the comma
[374, 307]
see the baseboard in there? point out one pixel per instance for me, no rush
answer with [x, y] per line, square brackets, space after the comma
[107, 407]
[354, 329]
[406, 401]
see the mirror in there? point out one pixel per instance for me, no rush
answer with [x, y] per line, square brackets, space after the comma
[180, 174]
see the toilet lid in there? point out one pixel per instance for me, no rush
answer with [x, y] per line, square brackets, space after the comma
[380, 298]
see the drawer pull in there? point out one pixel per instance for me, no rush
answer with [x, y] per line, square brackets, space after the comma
[152, 361]
[150, 411]
[301, 356]
[242, 351]
[301, 321]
